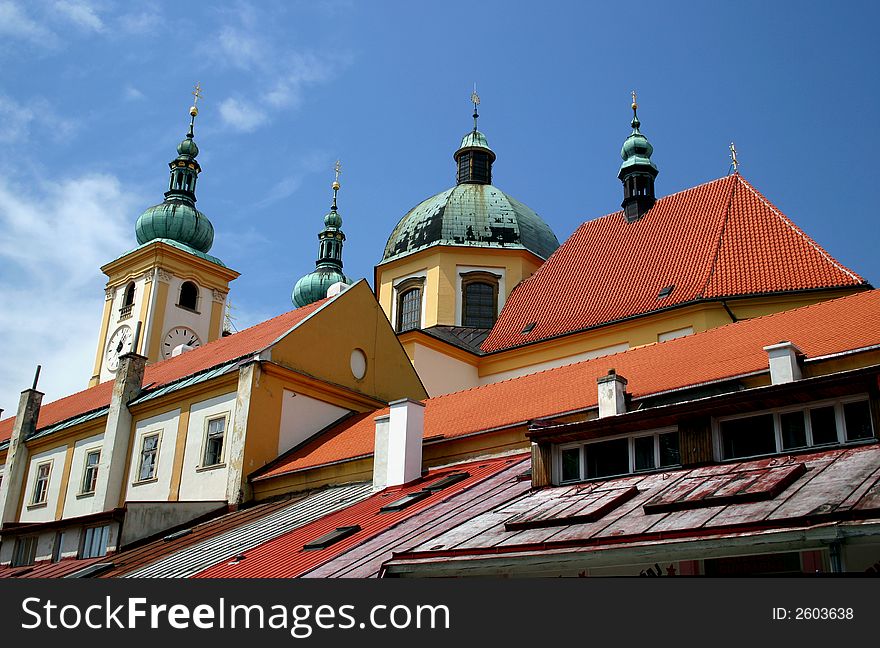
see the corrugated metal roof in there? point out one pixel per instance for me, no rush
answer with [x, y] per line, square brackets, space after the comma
[285, 557]
[224, 546]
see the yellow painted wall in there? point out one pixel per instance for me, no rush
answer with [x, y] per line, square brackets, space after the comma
[322, 345]
[440, 264]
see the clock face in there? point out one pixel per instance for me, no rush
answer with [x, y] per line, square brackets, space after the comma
[120, 344]
[177, 336]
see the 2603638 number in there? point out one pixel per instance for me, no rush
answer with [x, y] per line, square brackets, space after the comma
[816, 613]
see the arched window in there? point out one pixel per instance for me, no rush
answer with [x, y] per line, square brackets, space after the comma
[409, 304]
[479, 307]
[128, 298]
[189, 296]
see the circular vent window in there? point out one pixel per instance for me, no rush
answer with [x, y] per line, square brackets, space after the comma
[358, 364]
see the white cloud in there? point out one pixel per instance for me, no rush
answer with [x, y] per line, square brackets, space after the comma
[241, 115]
[16, 23]
[141, 22]
[81, 13]
[16, 119]
[53, 239]
[132, 93]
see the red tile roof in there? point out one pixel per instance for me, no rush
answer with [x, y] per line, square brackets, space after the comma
[284, 557]
[725, 352]
[48, 569]
[224, 349]
[717, 240]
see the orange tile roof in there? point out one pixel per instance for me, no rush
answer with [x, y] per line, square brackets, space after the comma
[720, 239]
[830, 327]
[224, 349]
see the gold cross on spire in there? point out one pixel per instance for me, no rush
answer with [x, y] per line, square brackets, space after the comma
[197, 93]
[335, 186]
[634, 104]
[734, 161]
[475, 98]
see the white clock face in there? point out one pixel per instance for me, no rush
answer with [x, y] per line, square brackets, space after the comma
[119, 345]
[177, 336]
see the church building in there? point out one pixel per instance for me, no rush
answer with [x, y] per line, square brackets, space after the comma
[678, 388]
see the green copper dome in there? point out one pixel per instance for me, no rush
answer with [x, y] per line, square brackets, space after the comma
[177, 220]
[314, 285]
[188, 147]
[475, 139]
[333, 219]
[636, 151]
[471, 215]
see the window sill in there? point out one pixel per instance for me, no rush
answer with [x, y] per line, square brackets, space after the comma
[38, 505]
[142, 482]
[188, 309]
[85, 495]
[211, 467]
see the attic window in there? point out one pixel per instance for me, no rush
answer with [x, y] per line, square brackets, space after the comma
[447, 481]
[176, 535]
[331, 538]
[665, 292]
[529, 328]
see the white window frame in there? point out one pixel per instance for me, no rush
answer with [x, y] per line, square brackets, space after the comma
[222, 461]
[86, 551]
[18, 549]
[140, 464]
[45, 494]
[558, 449]
[85, 471]
[395, 297]
[839, 420]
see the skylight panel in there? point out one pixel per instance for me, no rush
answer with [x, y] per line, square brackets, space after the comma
[665, 292]
[331, 538]
[406, 500]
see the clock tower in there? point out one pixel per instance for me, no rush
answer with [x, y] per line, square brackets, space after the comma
[169, 282]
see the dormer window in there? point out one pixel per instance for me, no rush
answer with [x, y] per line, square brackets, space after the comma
[790, 429]
[189, 296]
[619, 455]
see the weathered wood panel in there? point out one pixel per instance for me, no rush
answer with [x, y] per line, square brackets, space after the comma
[695, 441]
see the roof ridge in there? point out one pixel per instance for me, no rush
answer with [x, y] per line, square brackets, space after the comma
[797, 230]
[724, 222]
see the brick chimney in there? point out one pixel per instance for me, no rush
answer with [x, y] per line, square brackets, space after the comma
[397, 457]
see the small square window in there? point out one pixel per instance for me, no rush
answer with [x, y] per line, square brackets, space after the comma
[607, 458]
[25, 551]
[214, 441]
[857, 417]
[95, 540]
[748, 437]
[669, 454]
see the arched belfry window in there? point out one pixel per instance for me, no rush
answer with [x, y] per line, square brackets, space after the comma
[128, 298]
[479, 299]
[189, 296]
[409, 304]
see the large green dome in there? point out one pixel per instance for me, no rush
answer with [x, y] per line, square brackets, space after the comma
[471, 215]
[314, 285]
[177, 220]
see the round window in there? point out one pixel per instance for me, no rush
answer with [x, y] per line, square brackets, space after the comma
[358, 364]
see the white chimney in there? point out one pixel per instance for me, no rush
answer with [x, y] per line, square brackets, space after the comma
[397, 457]
[337, 288]
[612, 394]
[784, 365]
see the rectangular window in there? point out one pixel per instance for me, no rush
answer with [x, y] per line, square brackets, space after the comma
[90, 472]
[95, 541]
[618, 456]
[214, 441]
[748, 437]
[58, 547]
[25, 551]
[817, 425]
[41, 483]
[149, 457]
[857, 419]
[823, 423]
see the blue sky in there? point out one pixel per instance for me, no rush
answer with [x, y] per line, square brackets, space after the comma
[94, 97]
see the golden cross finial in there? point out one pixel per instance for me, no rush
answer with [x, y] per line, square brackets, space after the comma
[338, 169]
[197, 93]
[475, 98]
[634, 104]
[335, 186]
[734, 161]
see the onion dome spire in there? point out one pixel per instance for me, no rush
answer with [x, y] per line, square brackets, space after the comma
[177, 218]
[328, 267]
[474, 157]
[637, 173]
